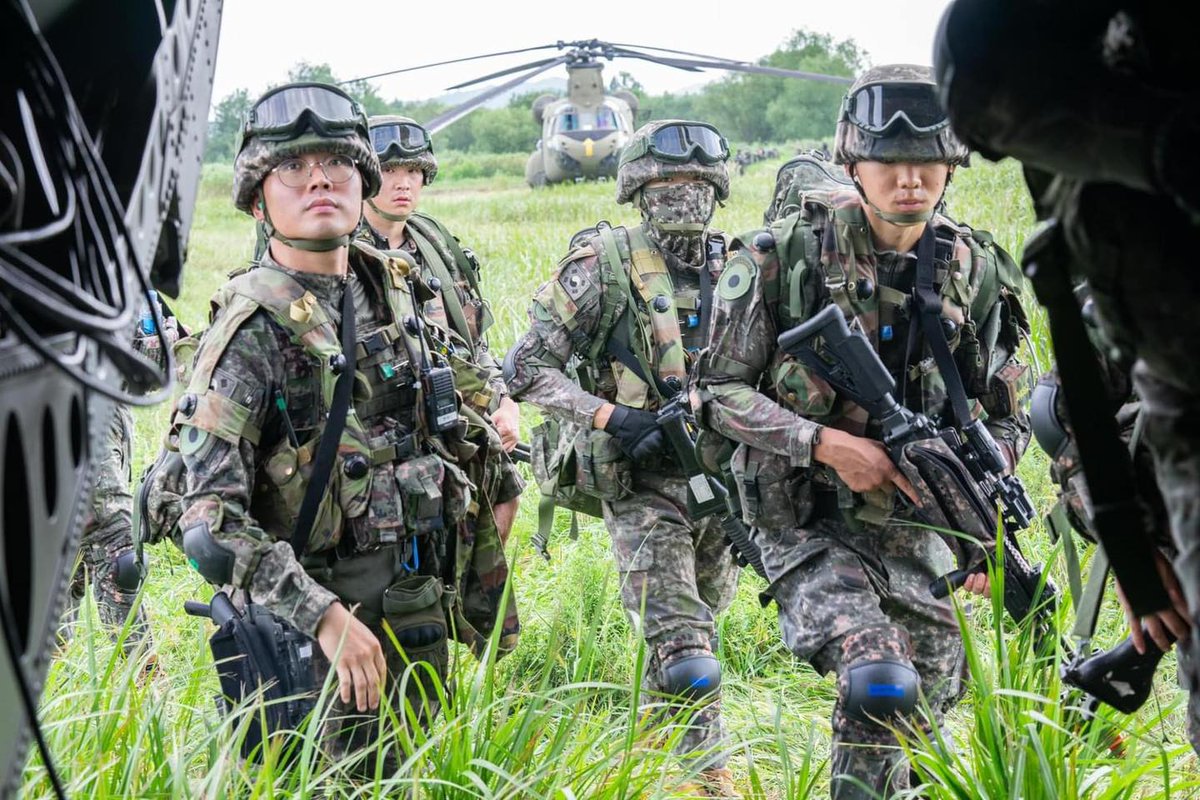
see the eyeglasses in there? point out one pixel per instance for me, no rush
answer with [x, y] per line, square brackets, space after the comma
[282, 114]
[395, 141]
[878, 109]
[296, 172]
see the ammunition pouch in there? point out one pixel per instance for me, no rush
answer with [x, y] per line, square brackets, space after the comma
[774, 494]
[554, 458]
[602, 468]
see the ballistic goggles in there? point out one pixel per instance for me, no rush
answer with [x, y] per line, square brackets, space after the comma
[396, 141]
[880, 109]
[680, 143]
[285, 112]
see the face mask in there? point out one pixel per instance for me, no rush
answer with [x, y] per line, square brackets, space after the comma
[677, 215]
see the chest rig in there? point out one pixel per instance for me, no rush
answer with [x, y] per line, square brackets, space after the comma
[660, 319]
[826, 256]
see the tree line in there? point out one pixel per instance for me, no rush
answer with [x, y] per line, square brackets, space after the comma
[745, 107]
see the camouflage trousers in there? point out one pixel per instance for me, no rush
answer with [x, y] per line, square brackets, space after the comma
[414, 608]
[846, 597]
[108, 534]
[676, 575]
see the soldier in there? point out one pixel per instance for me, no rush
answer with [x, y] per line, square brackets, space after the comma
[106, 549]
[612, 295]
[849, 575]
[391, 222]
[381, 546]
[1108, 149]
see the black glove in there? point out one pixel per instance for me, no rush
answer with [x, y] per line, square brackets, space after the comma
[636, 431]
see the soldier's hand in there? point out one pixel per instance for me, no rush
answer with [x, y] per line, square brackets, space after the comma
[361, 668]
[507, 418]
[978, 584]
[862, 464]
[1173, 619]
[635, 430]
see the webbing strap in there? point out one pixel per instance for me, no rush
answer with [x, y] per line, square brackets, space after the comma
[1087, 610]
[449, 290]
[419, 221]
[929, 306]
[331, 436]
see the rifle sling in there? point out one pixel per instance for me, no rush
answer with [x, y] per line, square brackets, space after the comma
[1121, 522]
[335, 423]
[928, 304]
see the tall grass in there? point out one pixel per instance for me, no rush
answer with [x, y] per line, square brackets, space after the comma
[559, 717]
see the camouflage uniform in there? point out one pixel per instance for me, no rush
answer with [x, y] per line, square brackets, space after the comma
[106, 542]
[849, 573]
[402, 529]
[676, 573]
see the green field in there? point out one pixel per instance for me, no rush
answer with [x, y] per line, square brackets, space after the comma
[558, 718]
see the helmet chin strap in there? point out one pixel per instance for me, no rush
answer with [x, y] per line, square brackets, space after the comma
[901, 219]
[308, 245]
[390, 217]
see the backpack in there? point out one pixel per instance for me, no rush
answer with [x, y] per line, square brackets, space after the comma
[810, 173]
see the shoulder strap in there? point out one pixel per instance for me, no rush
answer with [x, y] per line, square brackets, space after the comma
[423, 223]
[331, 436]
[448, 292]
[929, 307]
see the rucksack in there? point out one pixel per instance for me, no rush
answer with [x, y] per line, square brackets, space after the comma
[810, 173]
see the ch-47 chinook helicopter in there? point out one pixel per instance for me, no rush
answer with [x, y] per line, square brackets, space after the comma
[583, 133]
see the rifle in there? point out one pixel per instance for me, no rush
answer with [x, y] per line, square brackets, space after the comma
[521, 453]
[1120, 677]
[706, 494]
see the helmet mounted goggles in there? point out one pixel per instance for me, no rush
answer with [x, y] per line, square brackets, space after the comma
[286, 112]
[681, 142]
[396, 141]
[889, 108]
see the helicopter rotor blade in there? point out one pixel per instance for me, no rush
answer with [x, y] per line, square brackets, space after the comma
[452, 61]
[739, 66]
[509, 71]
[458, 112]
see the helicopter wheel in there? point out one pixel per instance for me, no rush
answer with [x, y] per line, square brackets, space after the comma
[538, 180]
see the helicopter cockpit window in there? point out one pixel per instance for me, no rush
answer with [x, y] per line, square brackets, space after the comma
[567, 121]
[606, 119]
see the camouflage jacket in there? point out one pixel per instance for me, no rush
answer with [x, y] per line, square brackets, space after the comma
[754, 393]
[585, 302]
[459, 308]
[252, 416]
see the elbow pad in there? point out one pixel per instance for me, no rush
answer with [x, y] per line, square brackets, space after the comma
[213, 560]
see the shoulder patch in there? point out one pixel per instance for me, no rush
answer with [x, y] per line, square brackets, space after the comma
[191, 439]
[736, 279]
[573, 280]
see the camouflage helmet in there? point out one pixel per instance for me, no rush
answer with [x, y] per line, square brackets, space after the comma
[396, 150]
[293, 120]
[892, 114]
[642, 161]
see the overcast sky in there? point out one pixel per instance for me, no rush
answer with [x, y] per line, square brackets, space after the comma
[262, 39]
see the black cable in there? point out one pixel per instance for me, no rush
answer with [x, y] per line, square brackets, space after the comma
[22, 680]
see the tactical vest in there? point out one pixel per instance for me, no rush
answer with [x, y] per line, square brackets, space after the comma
[825, 255]
[383, 484]
[645, 310]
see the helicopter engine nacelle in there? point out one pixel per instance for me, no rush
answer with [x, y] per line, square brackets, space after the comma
[539, 106]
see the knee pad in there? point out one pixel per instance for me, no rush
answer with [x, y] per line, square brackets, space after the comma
[692, 676]
[880, 690]
[128, 571]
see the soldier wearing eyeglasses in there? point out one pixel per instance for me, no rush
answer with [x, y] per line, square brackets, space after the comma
[627, 307]
[382, 574]
[849, 570]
